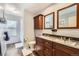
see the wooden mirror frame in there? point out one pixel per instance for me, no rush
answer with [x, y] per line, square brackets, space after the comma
[52, 20]
[77, 13]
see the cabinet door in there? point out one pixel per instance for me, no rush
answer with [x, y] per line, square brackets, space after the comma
[48, 52]
[39, 46]
[59, 50]
[39, 41]
[36, 22]
[48, 48]
[48, 44]
[60, 53]
[40, 50]
[41, 22]
[66, 49]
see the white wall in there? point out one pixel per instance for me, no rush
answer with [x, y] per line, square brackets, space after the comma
[2, 42]
[66, 32]
[28, 25]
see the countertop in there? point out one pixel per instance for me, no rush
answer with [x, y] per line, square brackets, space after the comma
[70, 43]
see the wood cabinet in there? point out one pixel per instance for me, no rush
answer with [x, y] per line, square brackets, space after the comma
[39, 46]
[59, 50]
[65, 50]
[38, 22]
[48, 52]
[45, 47]
[60, 53]
[49, 48]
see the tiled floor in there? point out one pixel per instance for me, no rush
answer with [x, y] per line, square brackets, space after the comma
[12, 51]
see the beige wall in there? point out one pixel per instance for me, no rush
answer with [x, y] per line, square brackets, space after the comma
[66, 32]
[54, 8]
[28, 25]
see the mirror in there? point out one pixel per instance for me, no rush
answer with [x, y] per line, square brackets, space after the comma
[49, 21]
[67, 17]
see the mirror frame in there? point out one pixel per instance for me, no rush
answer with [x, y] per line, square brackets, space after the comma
[52, 20]
[77, 13]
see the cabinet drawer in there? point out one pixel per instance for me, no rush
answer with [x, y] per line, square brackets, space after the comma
[60, 53]
[48, 44]
[67, 49]
[39, 41]
[48, 52]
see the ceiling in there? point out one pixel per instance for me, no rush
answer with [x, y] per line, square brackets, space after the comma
[35, 7]
[32, 7]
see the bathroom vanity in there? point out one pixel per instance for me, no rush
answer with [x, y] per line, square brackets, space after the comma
[56, 46]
